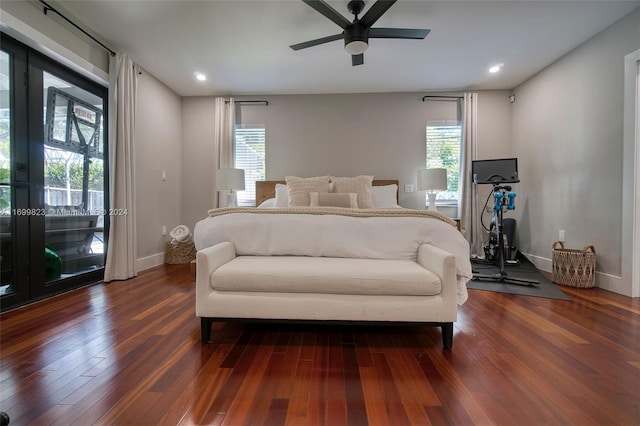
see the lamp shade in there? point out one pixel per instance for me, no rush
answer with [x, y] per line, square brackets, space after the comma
[432, 179]
[230, 179]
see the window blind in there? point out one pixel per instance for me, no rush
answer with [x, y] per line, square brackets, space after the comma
[249, 155]
[444, 140]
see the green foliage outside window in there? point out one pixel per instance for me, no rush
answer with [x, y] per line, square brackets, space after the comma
[5, 173]
[55, 175]
[5, 194]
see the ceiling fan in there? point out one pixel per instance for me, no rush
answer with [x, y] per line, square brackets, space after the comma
[356, 34]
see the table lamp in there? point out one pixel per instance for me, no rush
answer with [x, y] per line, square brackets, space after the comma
[432, 180]
[230, 180]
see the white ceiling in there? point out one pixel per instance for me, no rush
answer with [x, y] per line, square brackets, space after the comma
[242, 46]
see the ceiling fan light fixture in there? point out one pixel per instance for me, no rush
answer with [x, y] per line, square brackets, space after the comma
[356, 38]
[356, 47]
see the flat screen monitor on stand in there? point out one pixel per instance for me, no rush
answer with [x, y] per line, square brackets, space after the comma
[504, 170]
[498, 173]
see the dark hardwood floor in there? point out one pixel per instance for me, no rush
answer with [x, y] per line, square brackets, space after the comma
[129, 353]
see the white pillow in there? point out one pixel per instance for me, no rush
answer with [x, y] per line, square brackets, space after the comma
[361, 185]
[269, 202]
[299, 188]
[333, 199]
[385, 196]
[282, 195]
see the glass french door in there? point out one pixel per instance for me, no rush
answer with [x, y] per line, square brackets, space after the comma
[52, 177]
[13, 175]
[6, 220]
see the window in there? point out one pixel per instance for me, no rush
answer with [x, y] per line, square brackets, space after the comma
[248, 154]
[444, 140]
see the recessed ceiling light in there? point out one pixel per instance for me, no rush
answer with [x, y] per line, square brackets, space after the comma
[200, 76]
[497, 67]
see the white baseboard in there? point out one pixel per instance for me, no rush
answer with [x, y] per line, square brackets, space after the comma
[149, 262]
[604, 281]
[542, 263]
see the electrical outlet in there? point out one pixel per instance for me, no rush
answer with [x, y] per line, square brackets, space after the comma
[408, 187]
[164, 230]
[561, 236]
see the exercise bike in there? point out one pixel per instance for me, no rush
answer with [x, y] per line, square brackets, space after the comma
[504, 199]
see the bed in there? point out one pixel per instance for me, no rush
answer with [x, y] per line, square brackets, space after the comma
[327, 263]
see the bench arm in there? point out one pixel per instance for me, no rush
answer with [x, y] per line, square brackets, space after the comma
[443, 264]
[207, 261]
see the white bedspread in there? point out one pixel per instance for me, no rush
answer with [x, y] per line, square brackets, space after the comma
[335, 235]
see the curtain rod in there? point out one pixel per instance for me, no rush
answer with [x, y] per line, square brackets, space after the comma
[266, 103]
[48, 8]
[441, 98]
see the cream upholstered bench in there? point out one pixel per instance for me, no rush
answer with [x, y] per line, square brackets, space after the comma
[311, 289]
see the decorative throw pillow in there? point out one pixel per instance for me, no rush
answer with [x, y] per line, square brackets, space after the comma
[385, 196]
[348, 200]
[361, 185]
[298, 189]
[282, 195]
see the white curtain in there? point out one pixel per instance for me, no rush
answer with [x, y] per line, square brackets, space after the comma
[468, 203]
[223, 130]
[122, 247]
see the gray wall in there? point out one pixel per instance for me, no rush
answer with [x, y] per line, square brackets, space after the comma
[568, 133]
[158, 148]
[343, 134]
[198, 165]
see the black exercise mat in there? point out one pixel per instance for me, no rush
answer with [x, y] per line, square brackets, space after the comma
[524, 270]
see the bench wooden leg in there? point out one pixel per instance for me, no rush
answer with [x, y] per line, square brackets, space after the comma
[205, 329]
[447, 334]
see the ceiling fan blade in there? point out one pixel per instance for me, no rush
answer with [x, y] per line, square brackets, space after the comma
[328, 12]
[357, 59]
[398, 33]
[376, 11]
[316, 42]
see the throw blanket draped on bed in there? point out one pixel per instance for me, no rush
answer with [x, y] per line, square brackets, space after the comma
[335, 232]
[335, 210]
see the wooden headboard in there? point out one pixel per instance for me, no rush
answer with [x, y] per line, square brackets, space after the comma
[266, 189]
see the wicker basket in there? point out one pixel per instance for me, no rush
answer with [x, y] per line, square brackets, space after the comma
[180, 253]
[574, 268]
